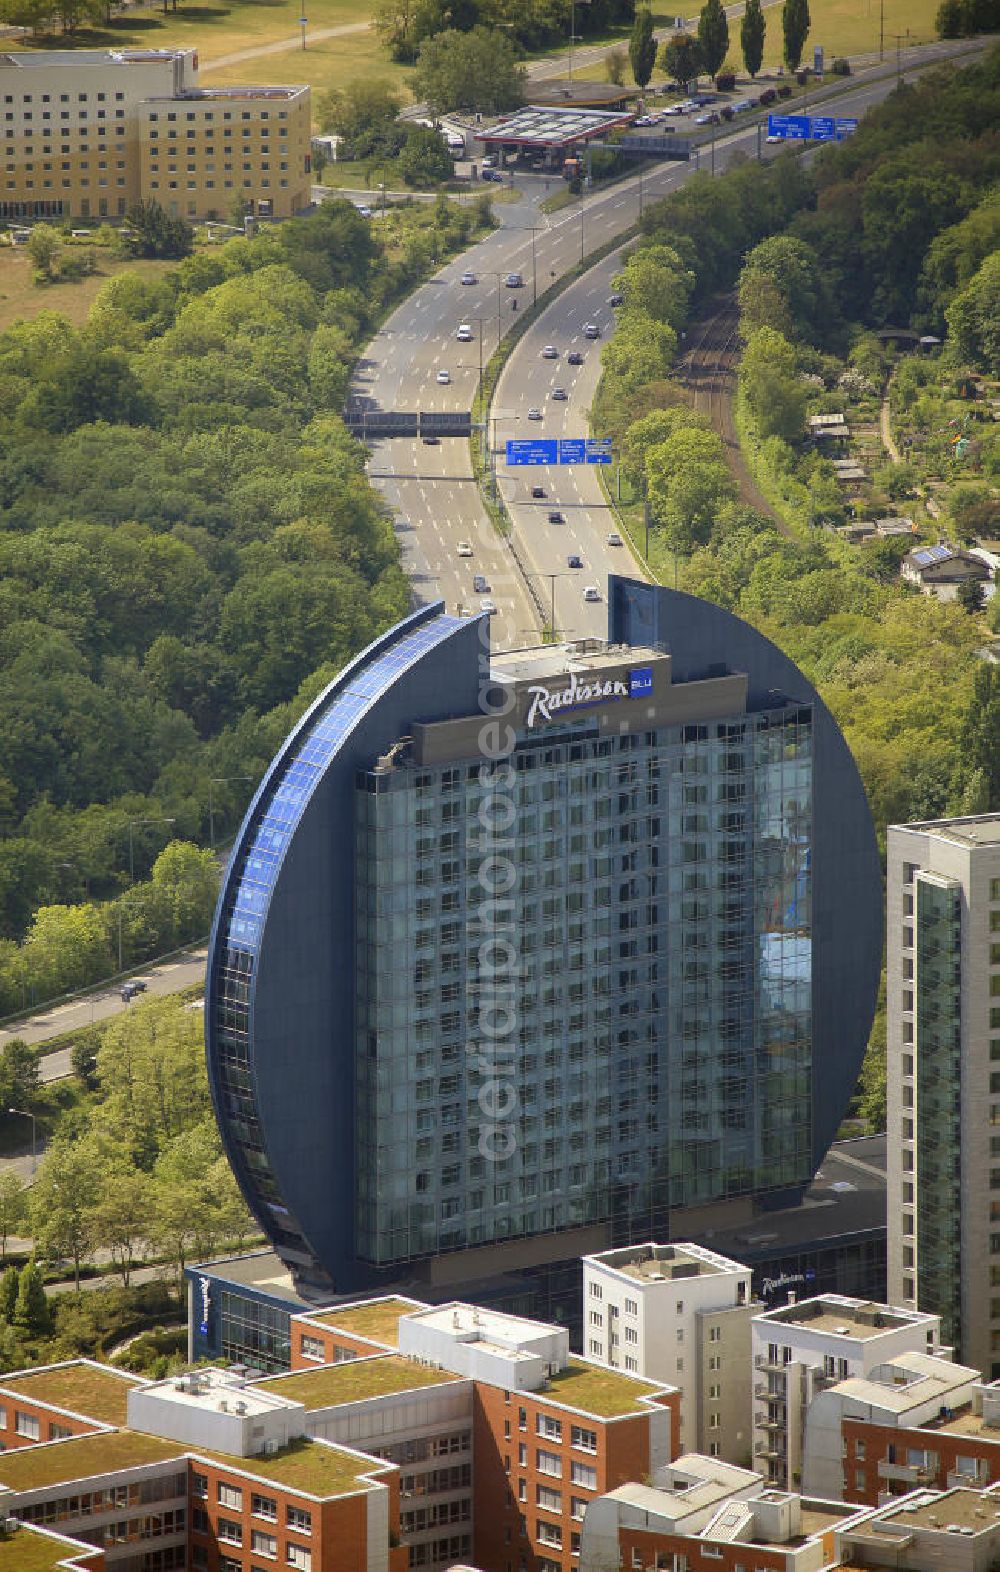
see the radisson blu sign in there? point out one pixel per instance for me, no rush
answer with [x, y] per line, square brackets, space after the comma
[549, 704]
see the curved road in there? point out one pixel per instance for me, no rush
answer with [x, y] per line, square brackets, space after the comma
[430, 489]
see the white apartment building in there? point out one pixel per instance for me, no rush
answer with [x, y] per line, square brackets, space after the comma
[802, 1348]
[678, 1313]
[943, 1040]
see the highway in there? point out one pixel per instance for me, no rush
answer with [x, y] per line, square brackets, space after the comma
[430, 489]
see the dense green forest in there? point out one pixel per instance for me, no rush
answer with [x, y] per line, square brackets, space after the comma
[189, 547]
[896, 227]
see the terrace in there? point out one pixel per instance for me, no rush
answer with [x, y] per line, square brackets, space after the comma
[34, 1550]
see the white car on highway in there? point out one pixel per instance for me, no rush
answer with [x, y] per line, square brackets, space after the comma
[534, 413]
[550, 352]
[464, 549]
[444, 377]
[591, 592]
[464, 334]
[489, 606]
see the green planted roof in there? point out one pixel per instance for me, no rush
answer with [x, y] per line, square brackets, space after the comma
[607, 1393]
[99, 1393]
[379, 1319]
[353, 1380]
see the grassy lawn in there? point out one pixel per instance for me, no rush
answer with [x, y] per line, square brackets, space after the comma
[328, 63]
[20, 298]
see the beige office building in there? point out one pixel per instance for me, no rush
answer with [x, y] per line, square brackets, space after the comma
[943, 982]
[89, 132]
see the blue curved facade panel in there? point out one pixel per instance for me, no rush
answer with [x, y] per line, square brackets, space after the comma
[250, 939]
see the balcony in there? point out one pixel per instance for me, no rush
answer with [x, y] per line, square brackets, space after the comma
[763, 1422]
[907, 1473]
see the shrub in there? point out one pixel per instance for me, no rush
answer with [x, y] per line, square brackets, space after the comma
[727, 112]
[768, 96]
[784, 91]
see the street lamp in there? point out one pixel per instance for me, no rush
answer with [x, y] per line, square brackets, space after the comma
[23, 1113]
[302, 23]
[219, 780]
[552, 588]
[131, 848]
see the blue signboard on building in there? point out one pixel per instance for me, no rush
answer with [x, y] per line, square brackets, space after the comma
[640, 682]
[543, 450]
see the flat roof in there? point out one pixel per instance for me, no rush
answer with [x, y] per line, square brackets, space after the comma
[850, 1318]
[262, 1269]
[508, 1332]
[925, 1379]
[977, 830]
[545, 661]
[34, 1549]
[540, 126]
[654, 1262]
[84, 1457]
[377, 1319]
[315, 1467]
[354, 1380]
[965, 1422]
[962, 1507]
[608, 1394]
[30, 58]
[213, 1390]
[91, 1390]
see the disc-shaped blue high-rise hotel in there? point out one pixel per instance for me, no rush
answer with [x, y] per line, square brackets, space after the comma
[689, 936]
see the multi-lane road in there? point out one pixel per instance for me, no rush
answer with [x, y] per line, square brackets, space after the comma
[430, 489]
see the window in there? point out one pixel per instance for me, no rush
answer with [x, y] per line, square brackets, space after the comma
[596, 1292]
[548, 1427]
[551, 1500]
[312, 1347]
[548, 1463]
[27, 1425]
[264, 1544]
[299, 1519]
[230, 1496]
[264, 1506]
[59, 1432]
[577, 1506]
[229, 1533]
[583, 1474]
[631, 1307]
[549, 1533]
[199, 1486]
[298, 1556]
[586, 1440]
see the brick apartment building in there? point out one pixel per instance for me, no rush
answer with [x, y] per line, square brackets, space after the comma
[432, 1435]
[90, 132]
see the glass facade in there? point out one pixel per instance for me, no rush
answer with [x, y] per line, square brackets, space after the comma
[658, 930]
[254, 1333]
[937, 1055]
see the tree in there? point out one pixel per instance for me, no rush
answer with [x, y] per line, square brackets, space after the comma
[795, 23]
[753, 28]
[614, 66]
[681, 59]
[13, 1207]
[152, 232]
[43, 248]
[65, 1190]
[971, 596]
[713, 36]
[32, 1316]
[477, 71]
[771, 385]
[365, 113]
[83, 1058]
[425, 160]
[950, 19]
[642, 47]
[121, 1217]
[187, 877]
[9, 1283]
[797, 307]
[974, 319]
[979, 739]
[20, 1076]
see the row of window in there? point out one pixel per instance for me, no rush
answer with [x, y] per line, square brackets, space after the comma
[231, 1497]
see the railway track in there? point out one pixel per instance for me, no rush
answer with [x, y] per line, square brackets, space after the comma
[708, 373]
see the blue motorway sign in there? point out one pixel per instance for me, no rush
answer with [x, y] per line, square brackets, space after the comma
[822, 128]
[562, 450]
[541, 450]
[792, 128]
[802, 128]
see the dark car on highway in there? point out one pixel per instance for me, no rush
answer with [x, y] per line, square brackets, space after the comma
[574, 358]
[538, 491]
[555, 517]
